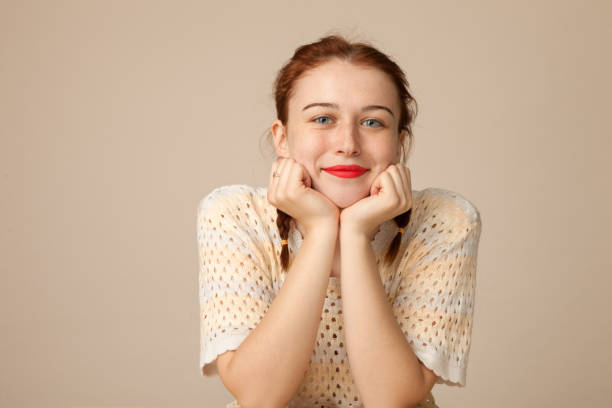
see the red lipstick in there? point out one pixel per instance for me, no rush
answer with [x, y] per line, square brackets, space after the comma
[343, 171]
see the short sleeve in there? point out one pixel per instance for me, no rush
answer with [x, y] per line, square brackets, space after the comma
[235, 288]
[434, 304]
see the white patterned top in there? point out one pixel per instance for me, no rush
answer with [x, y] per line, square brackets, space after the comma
[430, 286]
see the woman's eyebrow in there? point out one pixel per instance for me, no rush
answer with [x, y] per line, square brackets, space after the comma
[335, 106]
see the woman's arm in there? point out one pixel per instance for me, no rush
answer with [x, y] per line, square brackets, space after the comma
[386, 371]
[268, 367]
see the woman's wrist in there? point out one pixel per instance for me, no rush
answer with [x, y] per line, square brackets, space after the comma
[350, 231]
[323, 227]
[320, 225]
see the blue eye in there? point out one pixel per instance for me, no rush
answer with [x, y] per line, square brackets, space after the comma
[374, 120]
[321, 117]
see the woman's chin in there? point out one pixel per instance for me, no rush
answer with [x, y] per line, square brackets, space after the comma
[343, 196]
[343, 201]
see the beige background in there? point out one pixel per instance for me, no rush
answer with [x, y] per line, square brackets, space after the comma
[117, 117]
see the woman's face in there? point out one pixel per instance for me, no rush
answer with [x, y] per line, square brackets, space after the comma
[341, 114]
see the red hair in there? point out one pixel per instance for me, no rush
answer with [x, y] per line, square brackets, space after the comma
[310, 56]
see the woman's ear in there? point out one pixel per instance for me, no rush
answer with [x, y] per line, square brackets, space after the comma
[281, 142]
[401, 146]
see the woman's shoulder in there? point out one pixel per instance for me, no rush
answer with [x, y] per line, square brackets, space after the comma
[442, 219]
[235, 194]
[238, 208]
[446, 205]
[240, 217]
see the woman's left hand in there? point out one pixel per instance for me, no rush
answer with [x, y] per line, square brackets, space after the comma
[390, 195]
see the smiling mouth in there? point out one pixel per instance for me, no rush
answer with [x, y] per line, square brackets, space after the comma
[351, 171]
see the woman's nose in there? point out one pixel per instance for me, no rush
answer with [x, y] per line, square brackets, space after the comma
[348, 140]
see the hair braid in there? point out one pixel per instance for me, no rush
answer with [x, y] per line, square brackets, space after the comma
[401, 220]
[283, 223]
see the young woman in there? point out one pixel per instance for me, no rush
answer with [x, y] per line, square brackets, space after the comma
[337, 285]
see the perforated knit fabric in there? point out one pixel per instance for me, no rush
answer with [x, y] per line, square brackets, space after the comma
[430, 286]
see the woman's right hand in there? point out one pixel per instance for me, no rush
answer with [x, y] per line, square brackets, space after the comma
[291, 192]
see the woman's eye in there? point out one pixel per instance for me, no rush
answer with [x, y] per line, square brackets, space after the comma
[370, 121]
[322, 117]
[326, 120]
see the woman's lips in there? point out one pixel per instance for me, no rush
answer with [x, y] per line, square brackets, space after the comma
[349, 171]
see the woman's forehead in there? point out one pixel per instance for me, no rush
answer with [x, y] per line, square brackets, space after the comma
[344, 84]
